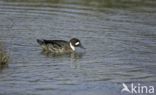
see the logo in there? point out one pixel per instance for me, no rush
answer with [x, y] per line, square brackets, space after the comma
[137, 88]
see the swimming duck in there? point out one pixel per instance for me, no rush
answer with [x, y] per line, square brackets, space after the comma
[59, 46]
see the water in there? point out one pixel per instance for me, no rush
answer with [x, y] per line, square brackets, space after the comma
[119, 37]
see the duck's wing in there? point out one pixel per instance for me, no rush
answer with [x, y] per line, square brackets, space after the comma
[54, 43]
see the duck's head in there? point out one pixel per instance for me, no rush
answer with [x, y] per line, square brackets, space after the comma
[74, 42]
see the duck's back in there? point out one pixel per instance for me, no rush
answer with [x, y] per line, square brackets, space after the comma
[55, 46]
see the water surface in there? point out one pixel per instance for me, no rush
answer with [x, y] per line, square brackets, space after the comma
[119, 37]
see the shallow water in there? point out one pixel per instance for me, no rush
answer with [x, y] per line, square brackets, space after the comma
[119, 37]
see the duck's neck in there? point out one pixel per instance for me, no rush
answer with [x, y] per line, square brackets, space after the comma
[72, 47]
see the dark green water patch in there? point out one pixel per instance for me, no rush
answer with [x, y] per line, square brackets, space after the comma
[92, 3]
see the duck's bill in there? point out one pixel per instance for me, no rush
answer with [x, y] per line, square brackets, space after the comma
[81, 46]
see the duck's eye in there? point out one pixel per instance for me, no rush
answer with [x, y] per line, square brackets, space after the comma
[77, 43]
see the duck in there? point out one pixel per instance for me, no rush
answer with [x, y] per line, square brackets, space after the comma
[60, 46]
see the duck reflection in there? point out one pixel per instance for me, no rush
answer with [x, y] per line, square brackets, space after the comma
[73, 55]
[74, 60]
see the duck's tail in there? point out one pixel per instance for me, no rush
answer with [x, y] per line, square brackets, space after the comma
[39, 41]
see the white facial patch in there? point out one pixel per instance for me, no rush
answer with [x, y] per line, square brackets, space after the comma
[77, 43]
[73, 48]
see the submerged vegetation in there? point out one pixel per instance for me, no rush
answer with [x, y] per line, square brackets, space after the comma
[3, 56]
